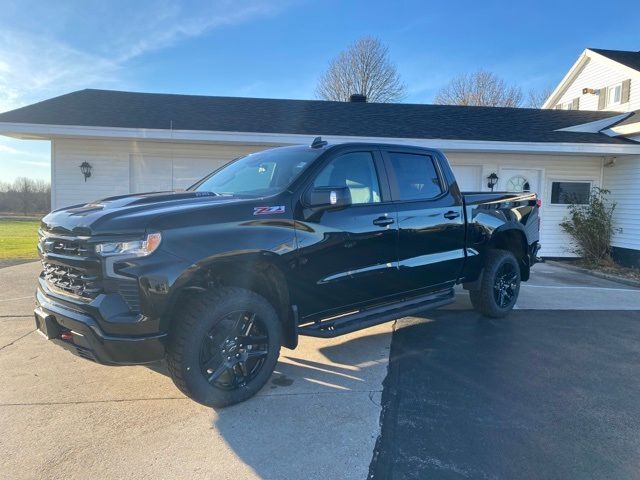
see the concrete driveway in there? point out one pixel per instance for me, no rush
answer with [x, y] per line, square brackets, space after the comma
[319, 416]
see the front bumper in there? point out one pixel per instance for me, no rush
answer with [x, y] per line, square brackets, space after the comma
[81, 334]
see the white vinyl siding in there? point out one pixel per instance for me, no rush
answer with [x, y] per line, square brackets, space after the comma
[122, 166]
[623, 180]
[553, 167]
[598, 74]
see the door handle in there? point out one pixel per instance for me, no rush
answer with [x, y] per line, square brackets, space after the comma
[383, 221]
[450, 215]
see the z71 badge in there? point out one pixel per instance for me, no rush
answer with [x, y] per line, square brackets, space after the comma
[268, 210]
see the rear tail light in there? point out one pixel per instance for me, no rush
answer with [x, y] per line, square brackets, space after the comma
[538, 203]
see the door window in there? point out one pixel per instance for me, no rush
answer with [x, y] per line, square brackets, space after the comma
[518, 184]
[415, 176]
[356, 171]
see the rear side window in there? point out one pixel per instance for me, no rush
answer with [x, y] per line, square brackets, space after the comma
[415, 176]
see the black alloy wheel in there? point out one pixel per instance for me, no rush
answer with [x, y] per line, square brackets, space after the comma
[233, 352]
[223, 345]
[497, 290]
[505, 284]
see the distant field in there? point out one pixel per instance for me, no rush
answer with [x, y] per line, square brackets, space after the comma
[18, 238]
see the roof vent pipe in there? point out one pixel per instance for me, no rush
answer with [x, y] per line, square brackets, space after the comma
[358, 98]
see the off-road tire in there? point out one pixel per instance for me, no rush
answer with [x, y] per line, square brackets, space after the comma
[484, 299]
[195, 316]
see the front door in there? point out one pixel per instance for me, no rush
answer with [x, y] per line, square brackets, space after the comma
[347, 256]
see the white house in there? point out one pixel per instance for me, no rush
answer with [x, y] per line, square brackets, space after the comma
[138, 142]
[600, 80]
[610, 80]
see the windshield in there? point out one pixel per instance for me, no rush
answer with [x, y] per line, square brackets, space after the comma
[259, 174]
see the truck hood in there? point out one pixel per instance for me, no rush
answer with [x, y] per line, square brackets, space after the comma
[128, 214]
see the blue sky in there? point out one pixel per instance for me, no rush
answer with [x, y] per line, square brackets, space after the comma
[279, 48]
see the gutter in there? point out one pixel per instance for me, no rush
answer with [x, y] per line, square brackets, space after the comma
[49, 132]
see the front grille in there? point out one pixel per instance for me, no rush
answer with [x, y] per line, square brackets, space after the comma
[71, 280]
[66, 246]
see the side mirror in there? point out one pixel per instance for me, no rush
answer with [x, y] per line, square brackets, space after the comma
[328, 197]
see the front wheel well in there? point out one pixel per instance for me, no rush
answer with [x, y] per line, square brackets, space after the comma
[256, 275]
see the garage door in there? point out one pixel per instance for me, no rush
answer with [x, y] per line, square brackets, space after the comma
[157, 173]
[187, 171]
[468, 177]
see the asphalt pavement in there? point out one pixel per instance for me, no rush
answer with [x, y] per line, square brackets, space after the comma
[539, 395]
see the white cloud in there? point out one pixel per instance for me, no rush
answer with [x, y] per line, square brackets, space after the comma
[42, 163]
[58, 47]
[38, 65]
[175, 24]
[8, 149]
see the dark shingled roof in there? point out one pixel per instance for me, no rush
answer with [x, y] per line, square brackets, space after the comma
[106, 108]
[628, 58]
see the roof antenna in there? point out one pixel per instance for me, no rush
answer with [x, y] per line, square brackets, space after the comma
[318, 143]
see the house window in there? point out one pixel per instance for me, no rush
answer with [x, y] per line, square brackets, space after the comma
[614, 94]
[563, 193]
[571, 105]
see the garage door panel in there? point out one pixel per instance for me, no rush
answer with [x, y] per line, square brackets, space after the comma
[187, 171]
[150, 174]
[157, 173]
[468, 177]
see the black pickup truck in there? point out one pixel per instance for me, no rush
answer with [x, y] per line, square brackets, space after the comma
[316, 240]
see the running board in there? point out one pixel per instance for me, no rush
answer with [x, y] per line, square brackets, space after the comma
[376, 315]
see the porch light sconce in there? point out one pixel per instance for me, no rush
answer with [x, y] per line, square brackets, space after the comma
[85, 168]
[492, 180]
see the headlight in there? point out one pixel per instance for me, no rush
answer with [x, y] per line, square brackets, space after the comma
[137, 248]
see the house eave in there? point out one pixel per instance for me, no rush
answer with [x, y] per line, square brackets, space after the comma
[51, 132]
[567, 80]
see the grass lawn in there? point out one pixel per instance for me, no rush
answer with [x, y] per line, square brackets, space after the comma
[18, 238]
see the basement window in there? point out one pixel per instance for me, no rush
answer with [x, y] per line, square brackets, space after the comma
[564, 193]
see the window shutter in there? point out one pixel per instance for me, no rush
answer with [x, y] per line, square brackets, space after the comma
[575, 104]
[626, 90]
[602, 98]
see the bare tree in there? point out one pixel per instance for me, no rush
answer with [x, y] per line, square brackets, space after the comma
[25, 189]
[538, 97]
[364, 68]
[480, 88]
[25, 196]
